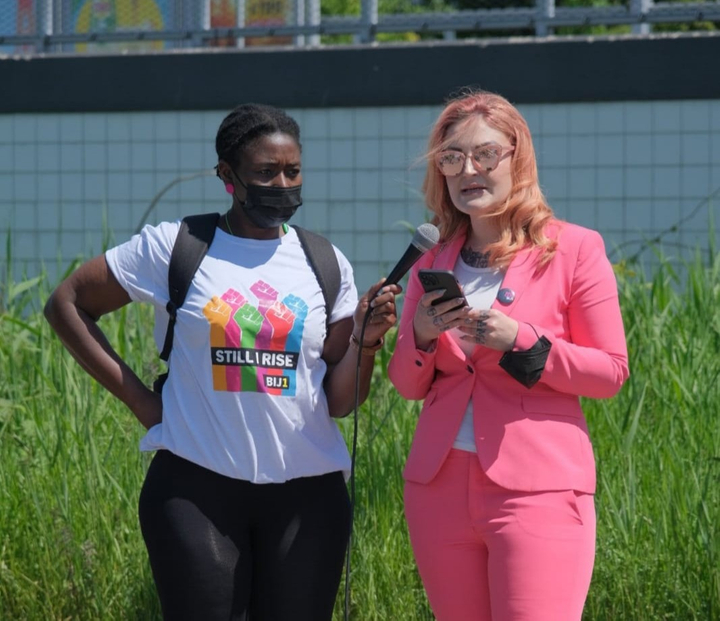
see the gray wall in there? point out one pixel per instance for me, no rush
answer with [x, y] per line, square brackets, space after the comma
[627, 132]
[69, 182]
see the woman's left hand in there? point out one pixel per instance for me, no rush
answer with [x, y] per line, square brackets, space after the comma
[382, 314]
[490, 328]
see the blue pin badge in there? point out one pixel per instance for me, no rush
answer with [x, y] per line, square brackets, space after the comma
[506, 296]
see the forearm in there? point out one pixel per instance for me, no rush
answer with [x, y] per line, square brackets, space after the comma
[411, 370]
[590, 359]
[585, 371]
[82, 337]
[412, 367]
[340, 382]
[375, 312]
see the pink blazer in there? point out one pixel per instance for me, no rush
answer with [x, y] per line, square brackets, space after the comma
[527, 439]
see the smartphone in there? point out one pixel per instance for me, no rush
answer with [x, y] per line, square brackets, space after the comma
[432, 280]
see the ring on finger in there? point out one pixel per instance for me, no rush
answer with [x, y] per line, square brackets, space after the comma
[432, 311]
[438, 321]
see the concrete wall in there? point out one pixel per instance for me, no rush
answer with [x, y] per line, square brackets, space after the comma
[69, 183]
[627, 134]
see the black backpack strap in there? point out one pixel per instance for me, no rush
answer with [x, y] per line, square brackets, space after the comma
[192, 243]
[323, 260]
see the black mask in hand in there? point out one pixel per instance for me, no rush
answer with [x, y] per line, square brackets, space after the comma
[527, 366]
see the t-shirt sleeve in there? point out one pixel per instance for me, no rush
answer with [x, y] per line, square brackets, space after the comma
[347, 298]
[140, 265]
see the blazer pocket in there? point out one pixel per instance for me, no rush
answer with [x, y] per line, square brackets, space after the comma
[552, 405]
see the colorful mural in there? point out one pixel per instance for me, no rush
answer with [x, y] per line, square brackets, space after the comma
[223, 14]
[118, 16]
[108, 16]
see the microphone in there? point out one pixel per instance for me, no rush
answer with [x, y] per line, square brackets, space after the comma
[426, 237]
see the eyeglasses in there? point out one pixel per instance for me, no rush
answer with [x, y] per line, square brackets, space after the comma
[484, 158]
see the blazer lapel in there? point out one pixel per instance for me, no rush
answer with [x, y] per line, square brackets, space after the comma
[518, 275]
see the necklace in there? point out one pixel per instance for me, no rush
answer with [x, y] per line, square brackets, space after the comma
[227, 223]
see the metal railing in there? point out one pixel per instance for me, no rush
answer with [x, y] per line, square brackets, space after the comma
[60, 26]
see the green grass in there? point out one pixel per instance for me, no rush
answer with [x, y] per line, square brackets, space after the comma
[70, 471]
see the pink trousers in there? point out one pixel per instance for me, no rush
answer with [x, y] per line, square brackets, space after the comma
[486, 553]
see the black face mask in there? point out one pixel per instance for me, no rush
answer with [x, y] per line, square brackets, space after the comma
[527, 366]
[270, 206]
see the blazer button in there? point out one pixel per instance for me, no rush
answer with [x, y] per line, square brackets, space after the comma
[470, 369]
[418, 363]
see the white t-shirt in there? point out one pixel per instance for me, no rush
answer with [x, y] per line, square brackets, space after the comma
[245, 395]
[480, 286]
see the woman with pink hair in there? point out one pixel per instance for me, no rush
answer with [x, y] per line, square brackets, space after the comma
[500, 478]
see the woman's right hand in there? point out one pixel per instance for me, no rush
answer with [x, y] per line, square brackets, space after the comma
[431, 321]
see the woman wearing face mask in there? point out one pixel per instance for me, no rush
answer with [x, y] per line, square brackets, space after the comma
[500, 477]
[244, 509]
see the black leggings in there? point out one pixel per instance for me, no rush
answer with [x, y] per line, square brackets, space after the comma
[225, 549]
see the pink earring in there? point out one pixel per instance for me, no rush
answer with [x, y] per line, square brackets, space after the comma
[229, 188]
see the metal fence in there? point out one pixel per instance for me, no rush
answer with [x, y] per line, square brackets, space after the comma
[118, 26]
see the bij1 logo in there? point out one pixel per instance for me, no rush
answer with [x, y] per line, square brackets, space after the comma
[277, 381]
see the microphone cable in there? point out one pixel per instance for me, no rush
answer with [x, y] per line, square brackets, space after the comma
[426, 237]
[353, 453]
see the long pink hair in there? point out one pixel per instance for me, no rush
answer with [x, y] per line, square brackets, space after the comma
[523, 216]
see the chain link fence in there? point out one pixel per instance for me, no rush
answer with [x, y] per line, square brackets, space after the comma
[120, 26]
